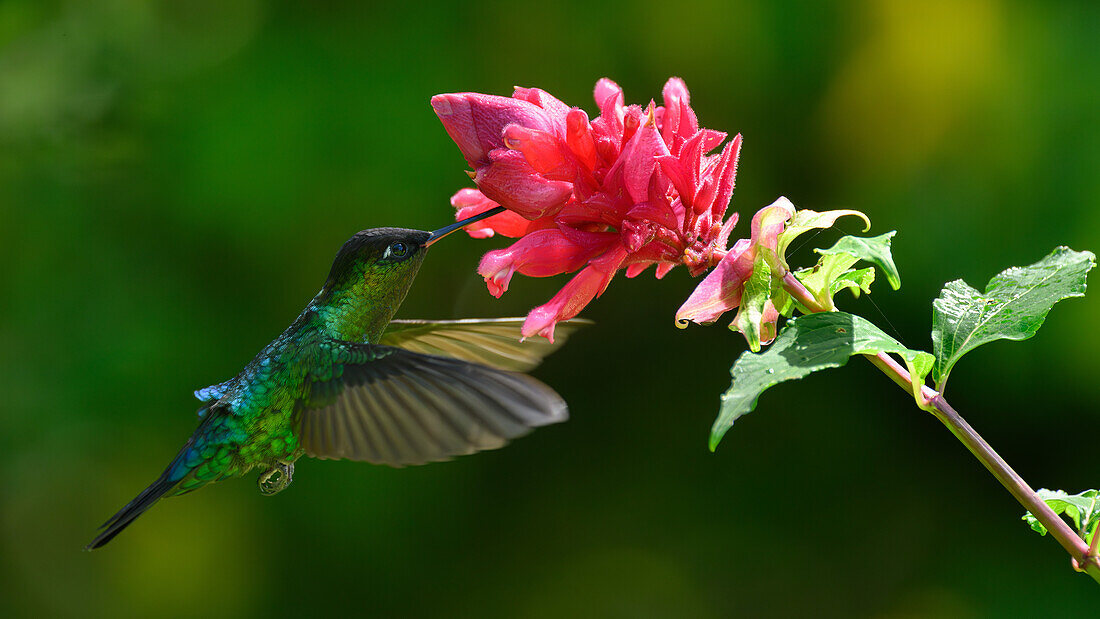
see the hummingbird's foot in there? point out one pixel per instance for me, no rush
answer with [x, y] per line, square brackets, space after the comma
[277, 478]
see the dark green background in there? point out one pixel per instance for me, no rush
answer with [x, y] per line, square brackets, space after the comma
[175, 178]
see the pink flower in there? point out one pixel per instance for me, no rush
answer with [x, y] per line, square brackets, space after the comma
[720, 291]
[542, 253]
[470, 202]
[631, 188]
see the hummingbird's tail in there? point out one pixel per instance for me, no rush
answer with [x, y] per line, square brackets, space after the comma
[115, 524]
[178, 478]
[168, 482]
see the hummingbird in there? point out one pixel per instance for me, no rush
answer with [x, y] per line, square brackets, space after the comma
[345, 380]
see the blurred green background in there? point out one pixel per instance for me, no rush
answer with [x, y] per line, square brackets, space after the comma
[175, 178]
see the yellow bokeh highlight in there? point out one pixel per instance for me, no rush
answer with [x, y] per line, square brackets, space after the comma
[916, 74]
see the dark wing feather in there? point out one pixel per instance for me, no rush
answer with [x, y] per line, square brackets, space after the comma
[491, 342]
[399, 408]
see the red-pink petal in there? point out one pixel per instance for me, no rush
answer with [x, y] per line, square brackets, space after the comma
[506, 224]
[769, 221]
[641, 159]
[593, 242]
[607, 148]
[512, 182]
[711, 139]
[472, 198]
[657, 211]
[720, 290]
[636, 234]
[725, 231]
[715, 176]
[586, 285]
[541, 253]
[676, 174]
[470, 202]
[600, 209]
[634, 270]
[633, 117]
[691, 160]
[578, 136]
[609, 98]
[497, 277]
[541, 149]
[674, 94]
[609, 263]
[567, 303]
[679, 119]
[608, 95]
[475, 121]
[728, 178]
[548, 102]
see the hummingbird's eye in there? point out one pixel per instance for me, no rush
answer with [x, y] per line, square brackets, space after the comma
[397, 250]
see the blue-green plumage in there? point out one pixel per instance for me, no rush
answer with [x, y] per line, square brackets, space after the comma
[343, 381]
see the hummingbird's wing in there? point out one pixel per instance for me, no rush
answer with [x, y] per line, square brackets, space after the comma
[493, 342]
[392, 406]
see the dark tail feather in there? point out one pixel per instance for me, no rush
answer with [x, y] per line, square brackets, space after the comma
[115, 524]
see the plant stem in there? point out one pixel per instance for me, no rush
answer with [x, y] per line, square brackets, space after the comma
[1085, 559]
[1074, 545]
[1094, 549]
[800, 294]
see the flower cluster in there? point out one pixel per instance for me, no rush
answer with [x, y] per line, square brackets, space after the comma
[630, 188]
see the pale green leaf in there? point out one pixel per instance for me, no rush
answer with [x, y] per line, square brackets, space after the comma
[782, 301]
[755, 294]
[806, 220]
[855, 280]
[1082, 508]
[1013, 307]
[820, 278]
[832, 274]
[873, 249]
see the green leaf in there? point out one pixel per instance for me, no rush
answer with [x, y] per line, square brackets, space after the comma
[1013, 307]
[755, 294]
[819, 279]
[807, 344]
[856, 280]
[832, 274]
[1083, 508]
[806, 220]
[873, 249]
[782, 301]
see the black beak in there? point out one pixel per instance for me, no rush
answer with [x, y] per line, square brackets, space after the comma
[444, 231]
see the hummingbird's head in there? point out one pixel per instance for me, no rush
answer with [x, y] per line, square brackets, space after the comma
[383, 259]
[371, 275]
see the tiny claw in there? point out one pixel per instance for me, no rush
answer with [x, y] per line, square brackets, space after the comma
[277, 478]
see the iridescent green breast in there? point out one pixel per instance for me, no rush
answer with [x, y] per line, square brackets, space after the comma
[248, 421]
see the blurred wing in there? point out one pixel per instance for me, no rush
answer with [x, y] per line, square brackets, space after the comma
[491, 342]
[399, 407]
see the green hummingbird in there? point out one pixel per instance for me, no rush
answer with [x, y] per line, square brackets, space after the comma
[346, 381]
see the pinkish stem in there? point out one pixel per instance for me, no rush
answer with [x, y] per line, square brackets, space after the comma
[1094, 549]
[1084, 557]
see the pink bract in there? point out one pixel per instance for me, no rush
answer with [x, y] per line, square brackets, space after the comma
[720, 291]
[630, 188]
